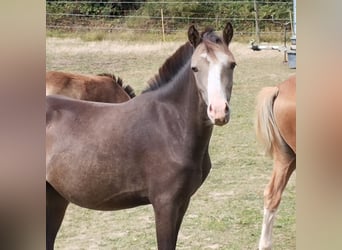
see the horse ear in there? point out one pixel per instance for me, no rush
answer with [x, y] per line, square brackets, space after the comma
[228, 33]
[193, 36]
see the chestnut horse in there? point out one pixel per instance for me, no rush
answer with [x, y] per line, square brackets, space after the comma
[150, 150]
[276, 130]
[98, 88]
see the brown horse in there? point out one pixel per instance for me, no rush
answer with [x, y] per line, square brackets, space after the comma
[276, 130]
[98, 88]
[150, 150]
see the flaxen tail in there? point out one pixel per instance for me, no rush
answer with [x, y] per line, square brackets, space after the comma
[267, 132]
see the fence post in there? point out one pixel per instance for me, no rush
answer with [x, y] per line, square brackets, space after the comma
[216, 21]
[162, 21]
[257, 32]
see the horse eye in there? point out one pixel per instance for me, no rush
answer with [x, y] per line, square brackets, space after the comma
[232, 65]
[194, 69]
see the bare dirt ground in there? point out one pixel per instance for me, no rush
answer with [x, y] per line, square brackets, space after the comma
[226, 212]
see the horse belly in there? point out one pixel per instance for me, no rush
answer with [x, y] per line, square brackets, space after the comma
[116, 201]
[92, 182]
[98, 191]
[123, 201]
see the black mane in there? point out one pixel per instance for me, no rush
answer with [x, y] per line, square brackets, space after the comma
[170, 67]
[209, 34]
[127, 88]
[175, 62]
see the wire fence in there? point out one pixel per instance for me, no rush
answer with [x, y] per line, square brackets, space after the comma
[171, 16]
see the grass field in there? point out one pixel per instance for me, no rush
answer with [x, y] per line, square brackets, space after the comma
[226, 212]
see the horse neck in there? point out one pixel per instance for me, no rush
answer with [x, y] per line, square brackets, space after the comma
[183, 93]
[175, 83]
[171, 67]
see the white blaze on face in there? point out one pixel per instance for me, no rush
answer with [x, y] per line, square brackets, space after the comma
[217, 98]
[215, 90]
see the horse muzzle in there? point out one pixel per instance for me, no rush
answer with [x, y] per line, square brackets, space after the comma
[219, 114]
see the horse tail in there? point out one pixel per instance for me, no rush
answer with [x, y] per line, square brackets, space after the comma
[267, 132]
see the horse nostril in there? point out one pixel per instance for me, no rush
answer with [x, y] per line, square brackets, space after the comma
[226, 109]
[210, 108]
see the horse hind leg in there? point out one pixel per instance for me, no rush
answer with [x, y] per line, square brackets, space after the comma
[283, 167]
[55, 210]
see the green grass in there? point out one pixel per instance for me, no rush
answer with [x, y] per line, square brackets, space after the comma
[226, 212]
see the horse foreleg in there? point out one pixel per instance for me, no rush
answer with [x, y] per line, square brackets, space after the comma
[282, 170]
[55, 210]
[169, 217]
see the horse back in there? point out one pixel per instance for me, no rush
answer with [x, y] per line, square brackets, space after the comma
[285, 111]
[99, 88]
[67, 84]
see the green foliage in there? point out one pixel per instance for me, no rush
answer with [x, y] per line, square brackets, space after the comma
[177, 15]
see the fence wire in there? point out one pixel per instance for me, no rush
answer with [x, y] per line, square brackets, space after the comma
[115, 15]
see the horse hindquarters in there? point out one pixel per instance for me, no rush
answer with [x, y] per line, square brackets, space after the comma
[284, 160]
[55, 210]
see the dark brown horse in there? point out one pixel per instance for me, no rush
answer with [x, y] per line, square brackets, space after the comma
[276, 130]
[150, 150]
[98, 88]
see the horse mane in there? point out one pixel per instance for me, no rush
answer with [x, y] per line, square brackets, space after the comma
[209, 34]
[128, 89]
[108, 75]
[183, 54]
[170, 67]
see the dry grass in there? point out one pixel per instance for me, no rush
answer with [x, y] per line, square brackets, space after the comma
[226, 212]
